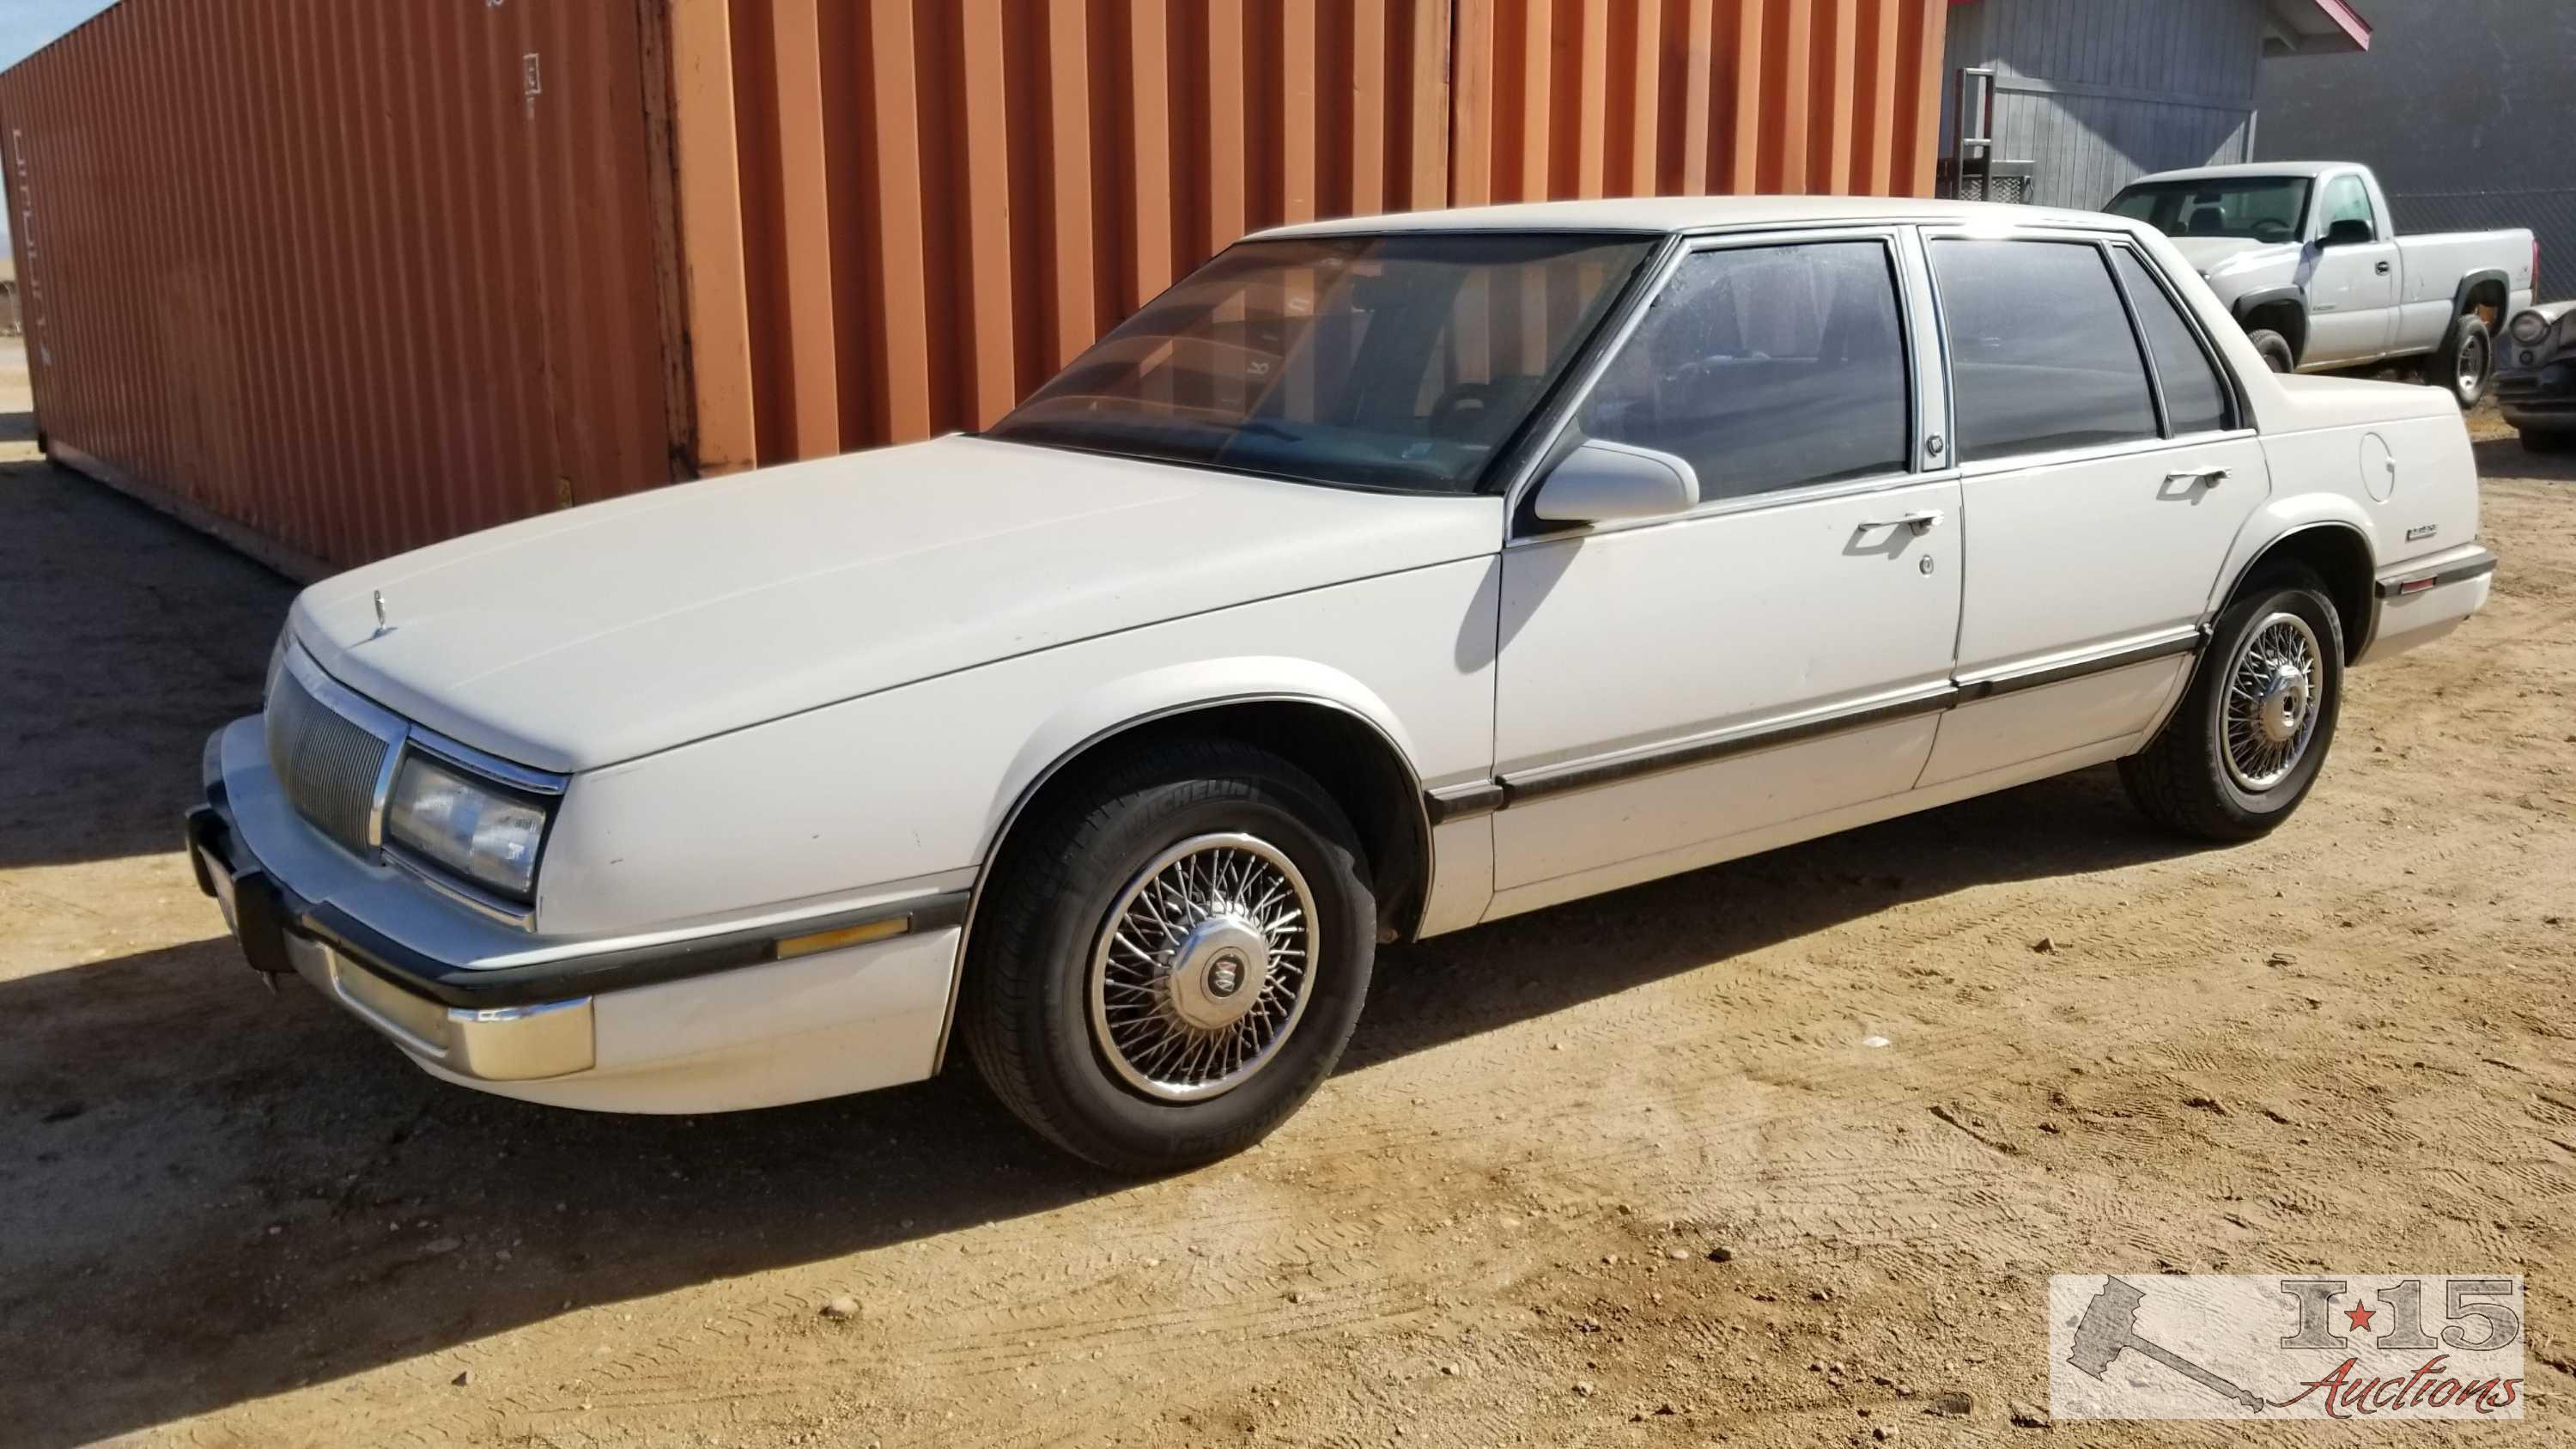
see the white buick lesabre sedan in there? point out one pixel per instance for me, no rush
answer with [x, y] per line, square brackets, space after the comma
[1383, 577]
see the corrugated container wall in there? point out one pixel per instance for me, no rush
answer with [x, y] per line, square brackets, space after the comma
[350, 277]
[901, 215]
[338, 280]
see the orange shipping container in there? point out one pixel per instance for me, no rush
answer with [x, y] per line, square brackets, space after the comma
[338, 280]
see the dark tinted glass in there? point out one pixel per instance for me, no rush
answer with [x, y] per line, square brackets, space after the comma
[2259, 208]
[2041, 355]
[2195, 396]
[1767, 368]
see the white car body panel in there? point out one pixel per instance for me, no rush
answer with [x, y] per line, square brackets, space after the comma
[581, 639]
[807, 691]
[1420, 641]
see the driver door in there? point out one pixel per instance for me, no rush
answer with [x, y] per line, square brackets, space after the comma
[2352, 295]
[1671, 689]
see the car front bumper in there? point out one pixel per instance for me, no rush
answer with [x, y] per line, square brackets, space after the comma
[711, 1020]
[2538, 396]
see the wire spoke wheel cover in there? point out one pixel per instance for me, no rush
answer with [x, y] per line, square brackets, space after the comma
[2273, 698]
[1203, 967]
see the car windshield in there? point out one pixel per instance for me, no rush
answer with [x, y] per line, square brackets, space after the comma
[1401, 361]
[2257, 208]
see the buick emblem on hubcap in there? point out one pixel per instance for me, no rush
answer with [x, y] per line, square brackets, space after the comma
[1225, 976]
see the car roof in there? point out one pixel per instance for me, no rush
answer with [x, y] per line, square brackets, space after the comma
[1667, 214]
[2309, 169]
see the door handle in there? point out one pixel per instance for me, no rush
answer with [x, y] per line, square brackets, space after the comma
[2381, 269]
[2210, 476]
[1922, 521]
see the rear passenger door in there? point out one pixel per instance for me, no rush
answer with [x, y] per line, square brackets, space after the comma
[2105, 469]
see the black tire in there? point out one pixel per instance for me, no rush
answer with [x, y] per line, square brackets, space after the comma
[2183, 780]
[1028, 1007]
[2464, 365]
[2547, 442]
[2275, 349]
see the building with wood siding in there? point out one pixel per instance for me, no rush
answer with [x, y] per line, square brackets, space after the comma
[2092, 94]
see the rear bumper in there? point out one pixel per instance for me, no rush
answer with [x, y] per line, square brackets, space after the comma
[2423, 599]
[714, 1021]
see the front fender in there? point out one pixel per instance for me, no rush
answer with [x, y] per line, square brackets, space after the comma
[1119, 705]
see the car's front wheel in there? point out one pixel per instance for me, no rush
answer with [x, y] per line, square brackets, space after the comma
[2246, 742]
[1172, 957]
[2275, 349]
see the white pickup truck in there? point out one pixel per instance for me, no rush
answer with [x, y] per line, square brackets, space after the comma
[2305, 255]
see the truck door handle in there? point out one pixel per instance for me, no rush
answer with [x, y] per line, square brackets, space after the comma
[2209, 476]
[1922, 522]
[2381, 269]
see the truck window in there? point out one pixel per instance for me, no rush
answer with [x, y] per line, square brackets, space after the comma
[2195, 396]
[2348, 200]
[2041, 353]
[2258, 208]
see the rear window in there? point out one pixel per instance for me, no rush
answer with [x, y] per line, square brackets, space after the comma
[2041, 354]
[2252, 208]
[2195, 394]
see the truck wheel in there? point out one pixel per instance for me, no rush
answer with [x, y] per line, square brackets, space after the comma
[2275, 349]
[2465, 362]
[1173, 956]
[2246, 742]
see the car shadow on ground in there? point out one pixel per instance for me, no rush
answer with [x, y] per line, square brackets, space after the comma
[183, 1143]
[2507, 458]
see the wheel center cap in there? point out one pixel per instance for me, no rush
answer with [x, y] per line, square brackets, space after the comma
[1218, 971]
[2284, 706]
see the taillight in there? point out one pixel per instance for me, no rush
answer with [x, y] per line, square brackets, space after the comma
[2535, 269]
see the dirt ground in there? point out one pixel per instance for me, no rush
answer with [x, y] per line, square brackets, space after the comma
[228, 1218]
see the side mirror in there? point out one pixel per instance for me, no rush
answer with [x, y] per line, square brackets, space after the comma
[2351, 231]
[1601, 482]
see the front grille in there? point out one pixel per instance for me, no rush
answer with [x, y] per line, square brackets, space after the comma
[325, 762]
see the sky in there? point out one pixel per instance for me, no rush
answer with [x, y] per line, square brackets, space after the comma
[27, 24]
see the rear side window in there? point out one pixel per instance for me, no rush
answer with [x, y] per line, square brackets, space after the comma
[2195, 396]
[2041, 354]
[1767, 367]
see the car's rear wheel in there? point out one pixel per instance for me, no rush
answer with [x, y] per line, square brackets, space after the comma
[1172, 957]
[2246, 742]
[2275, 349]
[2465, 363]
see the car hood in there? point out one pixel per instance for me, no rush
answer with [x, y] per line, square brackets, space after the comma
[2208, 254]
[607, 632]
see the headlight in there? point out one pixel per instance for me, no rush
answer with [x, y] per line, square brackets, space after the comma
[478, 829]
[2529, 328]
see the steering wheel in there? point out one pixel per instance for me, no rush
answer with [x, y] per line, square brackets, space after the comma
[1470, 403]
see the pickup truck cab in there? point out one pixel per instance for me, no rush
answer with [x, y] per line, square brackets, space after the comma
[1383, 577]
[2306, 257]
